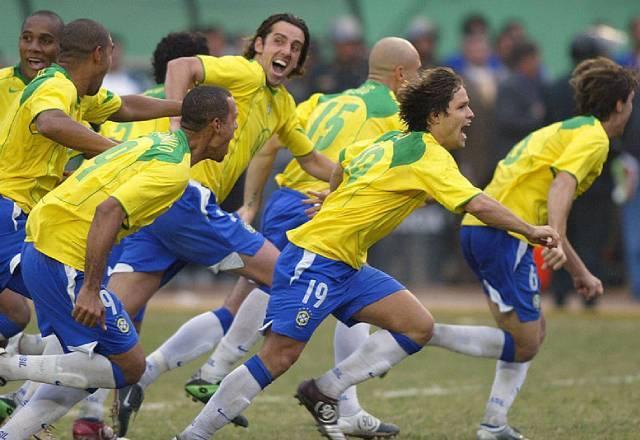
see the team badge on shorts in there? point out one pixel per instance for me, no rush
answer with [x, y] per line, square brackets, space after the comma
[122, 325]
[536, 301]
[303, 317]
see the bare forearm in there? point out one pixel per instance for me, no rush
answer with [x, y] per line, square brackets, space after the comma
[257, 174]
[493, 214]
[102, 235]
[141, 108]
[182, 74]
[65, 131]
[559, 201]
[317, 165]
[574, 264]
[336, 178]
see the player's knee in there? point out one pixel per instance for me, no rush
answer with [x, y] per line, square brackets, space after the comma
[422, 331]
[17, 311]
[133, 368]
[526, 352]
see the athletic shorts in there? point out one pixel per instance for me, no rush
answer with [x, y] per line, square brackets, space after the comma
[54, 286]
[283, 212]
[12, 234]
[194, 230]
[308, 287]
[505, 267]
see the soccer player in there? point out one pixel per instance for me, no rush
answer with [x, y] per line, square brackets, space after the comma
[70, 233]
[331, 122]
[538, 180]
[323, 270]
[174, 45]
[196, 229]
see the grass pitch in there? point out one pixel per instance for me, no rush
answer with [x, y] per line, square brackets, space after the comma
[584, 384]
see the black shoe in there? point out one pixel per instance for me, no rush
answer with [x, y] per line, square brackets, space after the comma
[323, 409]
[129, 402]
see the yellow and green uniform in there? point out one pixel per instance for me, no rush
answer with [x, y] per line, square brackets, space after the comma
[146, 175]
[262, 112]
[11, 84]
[521, 182]
[384, 181]
[123, 131]
[335, 121]
[31, 164]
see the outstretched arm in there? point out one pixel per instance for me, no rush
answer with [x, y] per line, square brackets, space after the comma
[142, 108]
[317, 165]
[60, 128]
[182, 75]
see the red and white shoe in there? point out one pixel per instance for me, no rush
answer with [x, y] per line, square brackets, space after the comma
[92, 429]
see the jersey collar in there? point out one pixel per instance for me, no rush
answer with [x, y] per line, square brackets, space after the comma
[18, 74]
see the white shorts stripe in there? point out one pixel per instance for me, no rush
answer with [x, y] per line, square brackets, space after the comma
[496, 298]
[305, 262]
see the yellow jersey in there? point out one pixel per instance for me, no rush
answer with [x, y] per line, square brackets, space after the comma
[262, 112]
[335, 121]
[31, 164]
[146, 175]
[384, 180]
[11, 84]
[123, 131]
[521, 182]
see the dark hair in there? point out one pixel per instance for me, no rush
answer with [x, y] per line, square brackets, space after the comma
[598, 85]
[202, 105]
[521, 50]
[265, 29]
[55, 18]
[81, 37]
[176, 45]
[429, 93]
[585, 46]
[473, 24]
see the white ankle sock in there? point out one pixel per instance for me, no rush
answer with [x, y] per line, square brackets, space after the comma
[76, 370]
[93, 406]
[507, 383]
[47, 405]
[236, 392]
[472, 340]
[155, 366]
[241, 336]
[378, 353]
[346, 340]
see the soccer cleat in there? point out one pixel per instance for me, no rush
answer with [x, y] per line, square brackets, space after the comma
[201, 390]
[323, 409]
[91, 429]
[505, 432]
[364, 425]
[7, 407]
[129, 401]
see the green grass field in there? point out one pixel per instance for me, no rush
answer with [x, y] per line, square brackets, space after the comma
[584, 384]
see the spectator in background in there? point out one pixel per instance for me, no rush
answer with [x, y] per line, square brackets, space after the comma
[423, 34]
[119, 79]
[216, 40]
[520, 99]
[632, 59]
[349, 68]
[512, 33]
[476, 49]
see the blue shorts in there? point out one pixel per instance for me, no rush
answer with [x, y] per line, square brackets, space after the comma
[505, 267]
[308, 287]
[283, 212]
[54, 287]
[12, 233]
[193, 230]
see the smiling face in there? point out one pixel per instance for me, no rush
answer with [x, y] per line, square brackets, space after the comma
[39, 45]
[279, 52]
[448, 129]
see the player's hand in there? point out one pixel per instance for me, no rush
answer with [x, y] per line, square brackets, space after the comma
[315, 200]
[174, 123]
[587, 285]
[544, 235]
[89, 309]
[554, 258]
[246, 214]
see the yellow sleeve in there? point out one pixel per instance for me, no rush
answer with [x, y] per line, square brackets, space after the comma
[151, 192]
[235, 73]
[292, 133]
[99, 107]
[55, 94]
[440, 177]
[305, 108]
[584, 155]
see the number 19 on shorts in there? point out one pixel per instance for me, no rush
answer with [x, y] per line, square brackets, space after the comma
[319, 291]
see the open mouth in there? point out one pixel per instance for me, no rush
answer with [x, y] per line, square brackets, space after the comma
[279, 66]
[36, 63]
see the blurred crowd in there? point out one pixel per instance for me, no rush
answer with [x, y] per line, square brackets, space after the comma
[511, 95]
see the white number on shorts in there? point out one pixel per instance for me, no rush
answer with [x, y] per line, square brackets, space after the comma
[533, 278]
[320, 293]
[107, 301]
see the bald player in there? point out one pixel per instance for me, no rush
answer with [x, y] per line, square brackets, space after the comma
[331, 122]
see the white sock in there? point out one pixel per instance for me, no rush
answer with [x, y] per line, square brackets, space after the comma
[346, 340]
[236, 392]
[242, 335]
[31, 344]
[378, 353]
[93, 406]
[47, 405]
[472, 340]
[197, 336]
[507, 383]
[76, 370]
